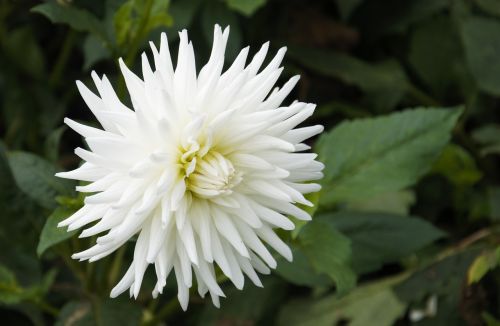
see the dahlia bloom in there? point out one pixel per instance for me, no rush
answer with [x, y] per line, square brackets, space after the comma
[203, 169]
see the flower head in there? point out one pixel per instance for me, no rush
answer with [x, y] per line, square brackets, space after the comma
[203, 169]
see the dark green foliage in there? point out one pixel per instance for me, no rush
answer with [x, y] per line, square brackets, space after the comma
[409, 212]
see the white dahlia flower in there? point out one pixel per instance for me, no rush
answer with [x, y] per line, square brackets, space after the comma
[202, 170]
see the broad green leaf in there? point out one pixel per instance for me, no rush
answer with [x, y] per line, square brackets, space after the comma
[366, 157]
[380, 238]
[385, 83]
[51, 234]
[458, 166]
[78, 19]
[329, 252]
[373, 304]
[245, 7]
[481, 38]
[36, 178]
[300, 271]
[397, 202]
[436, 54]
[247, 306]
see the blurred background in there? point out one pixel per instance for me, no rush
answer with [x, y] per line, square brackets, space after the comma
[406, 231]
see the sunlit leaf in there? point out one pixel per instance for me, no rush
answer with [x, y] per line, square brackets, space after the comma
[371, 156]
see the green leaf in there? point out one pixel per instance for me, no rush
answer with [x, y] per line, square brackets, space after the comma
[396, 202]
[458, 166]
[481, 38]
[245, 7]
[380, 238]
[366, 157]
[51, 234]
[436, 54]
[373, 304]
[300, 271]
[329, 252]
[482, 265]
[36, 178]
[78, 19]
[478, 269]
[385, 83]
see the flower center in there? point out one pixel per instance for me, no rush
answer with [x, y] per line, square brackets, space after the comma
[208, 173]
